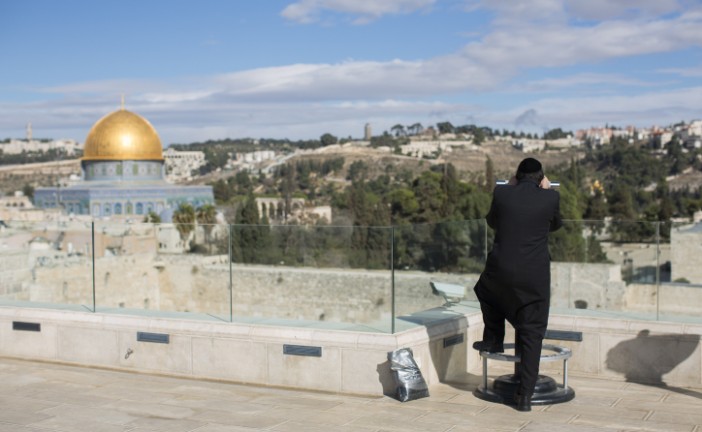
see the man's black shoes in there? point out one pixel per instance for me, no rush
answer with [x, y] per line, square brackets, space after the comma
[491, 347]
[523, 402]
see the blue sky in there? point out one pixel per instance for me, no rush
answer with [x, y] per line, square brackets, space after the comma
[213, 69]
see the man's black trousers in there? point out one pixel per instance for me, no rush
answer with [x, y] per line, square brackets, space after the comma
[529, 321]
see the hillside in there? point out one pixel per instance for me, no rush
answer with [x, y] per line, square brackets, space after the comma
[470, 163]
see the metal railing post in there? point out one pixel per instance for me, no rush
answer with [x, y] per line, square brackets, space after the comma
[92, 234]
[658, 269]
[392, 279]
[231, 284]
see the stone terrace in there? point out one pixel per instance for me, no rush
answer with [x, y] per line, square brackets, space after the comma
[50, 397]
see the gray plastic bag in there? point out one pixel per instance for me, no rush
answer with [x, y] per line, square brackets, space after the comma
[410, 384]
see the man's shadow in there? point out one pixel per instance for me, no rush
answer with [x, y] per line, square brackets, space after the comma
[645, 359]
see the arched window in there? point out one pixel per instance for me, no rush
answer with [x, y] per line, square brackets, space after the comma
[118, 208]
[96, 209]
[130, 208]
[107, 210]
[140, 208]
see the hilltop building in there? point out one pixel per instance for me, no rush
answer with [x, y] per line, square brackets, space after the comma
[180, 165]
[30, 145]
[123, 174]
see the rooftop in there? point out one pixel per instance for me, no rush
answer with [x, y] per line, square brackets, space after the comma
[47, 397]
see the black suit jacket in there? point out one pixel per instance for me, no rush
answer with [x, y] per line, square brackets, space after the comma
[517, 271]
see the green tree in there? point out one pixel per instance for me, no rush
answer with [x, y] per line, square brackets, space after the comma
[445, 127]
[206, 216]
[450, 188]
[415, 129]
[221, 191]
[184, 218]
[555, 134]
[28, 191]
[430, 195]
[398, 130]
[403, 204]
[243, 182]
[251, 237]
[567, 244]
[489, 174]
[358, 171]
[152, 218]
[328, 139]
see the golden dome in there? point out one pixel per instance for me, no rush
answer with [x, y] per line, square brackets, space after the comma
[122, 135]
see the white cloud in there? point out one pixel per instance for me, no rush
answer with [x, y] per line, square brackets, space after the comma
[608, 9]
[645, 109]
[308, 11]
[582, 82]
[684, 72]
[528, 46]
[300, 100]
[519, 11]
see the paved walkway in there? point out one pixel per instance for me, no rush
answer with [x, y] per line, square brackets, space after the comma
[43, 397]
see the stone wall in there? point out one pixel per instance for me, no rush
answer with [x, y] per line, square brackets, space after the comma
[688, 244]
[595, 286]
[658, 353]
[198, 284]
[14, 272]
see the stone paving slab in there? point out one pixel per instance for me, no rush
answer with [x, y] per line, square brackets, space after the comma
[48, 397]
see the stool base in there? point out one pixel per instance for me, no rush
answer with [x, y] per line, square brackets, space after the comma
[503, 388]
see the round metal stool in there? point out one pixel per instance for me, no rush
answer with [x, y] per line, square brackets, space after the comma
[546, 392]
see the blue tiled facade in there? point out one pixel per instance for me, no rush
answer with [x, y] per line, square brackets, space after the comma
[128, 187]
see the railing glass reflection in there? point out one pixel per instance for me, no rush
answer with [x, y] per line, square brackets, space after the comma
[374, 279]
[46, 264]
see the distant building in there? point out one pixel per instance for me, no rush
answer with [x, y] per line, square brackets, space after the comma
[595, 136]
[691, 135]
[181, 164]
[122, 174]
[18, 207]
[274, 210]
[660, 138]
[19, 146]
[421, 149]
[529, 145]
[367, 132]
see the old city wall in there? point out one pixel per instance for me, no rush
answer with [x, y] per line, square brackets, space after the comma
[14, 272]
[201, 285]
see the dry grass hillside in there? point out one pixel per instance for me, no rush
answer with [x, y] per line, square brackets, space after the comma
[15, 177]
[470, 163]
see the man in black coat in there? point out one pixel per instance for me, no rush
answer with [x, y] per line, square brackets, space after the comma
[516, 282]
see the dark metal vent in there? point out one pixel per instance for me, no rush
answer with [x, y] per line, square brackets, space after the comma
[153, 337]
[302, 350]
[564, 335]
[26, 326]
[453, 340]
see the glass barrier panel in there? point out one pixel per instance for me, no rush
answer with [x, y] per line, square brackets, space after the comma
[680, 292]
[608, 267]
[450, 253]
[46, 264]
[164, 269]
[314, 276]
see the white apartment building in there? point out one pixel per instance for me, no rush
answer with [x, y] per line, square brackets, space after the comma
[181, 164]
[17, 146]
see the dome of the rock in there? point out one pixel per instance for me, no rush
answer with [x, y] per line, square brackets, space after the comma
[122, 135]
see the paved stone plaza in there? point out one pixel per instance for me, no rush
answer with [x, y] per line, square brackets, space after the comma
[48, 397]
